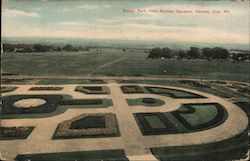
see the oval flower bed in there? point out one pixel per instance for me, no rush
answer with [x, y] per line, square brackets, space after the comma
[29, 103]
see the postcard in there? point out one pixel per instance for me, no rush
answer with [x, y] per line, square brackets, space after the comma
[124, 80]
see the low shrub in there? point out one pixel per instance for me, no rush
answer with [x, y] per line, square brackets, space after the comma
[45, 88]
[131, 89]
[82, 102]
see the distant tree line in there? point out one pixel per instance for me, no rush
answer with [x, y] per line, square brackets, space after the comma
[197, 53]
[28, 48]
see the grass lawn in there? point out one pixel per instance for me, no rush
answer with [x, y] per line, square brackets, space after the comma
[133, 64]
[203, 114]
[7, 89]
[230, 149]
[139, 101]
[100, 155]
[155, 122]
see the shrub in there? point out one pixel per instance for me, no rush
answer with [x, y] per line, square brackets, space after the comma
[149, 100]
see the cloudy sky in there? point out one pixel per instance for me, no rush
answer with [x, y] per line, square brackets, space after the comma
[109, 20]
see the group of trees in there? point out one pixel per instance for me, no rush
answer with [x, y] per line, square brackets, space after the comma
[196, 53]
[27, 48]
[157, 53]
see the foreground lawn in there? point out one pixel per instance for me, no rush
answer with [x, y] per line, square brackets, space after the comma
[133, 64]
[101, 155]
[231, 149]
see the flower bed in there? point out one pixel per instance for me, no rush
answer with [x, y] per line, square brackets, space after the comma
[93, 89]
[154, 124]
[201, 116]
[108, 128]
[45, 88]
[130, 89]
[188, 118]
[174, 93]
[10, 133]
[82, 102]
[51, 104]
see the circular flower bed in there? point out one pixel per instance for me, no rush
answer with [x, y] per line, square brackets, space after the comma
[29, 103]
[149, 100]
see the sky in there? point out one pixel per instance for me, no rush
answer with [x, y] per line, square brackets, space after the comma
[114, 20]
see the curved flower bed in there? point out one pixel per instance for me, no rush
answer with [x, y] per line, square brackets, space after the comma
[10, 103]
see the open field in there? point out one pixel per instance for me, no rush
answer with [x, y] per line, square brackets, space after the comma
[117, 63]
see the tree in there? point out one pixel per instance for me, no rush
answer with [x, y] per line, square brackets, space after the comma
[155, 53]
[42, 48]
[220, 53]
[166, 53]
[69, 48]
[181, 54]
[207, 53]
[193, 53]
[8, 48]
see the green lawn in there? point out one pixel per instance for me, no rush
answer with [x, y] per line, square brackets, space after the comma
[202, 114]
[155, 122]
[234, 148]
[100, 155]
[176, 93]
[80, 64]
